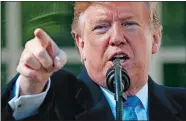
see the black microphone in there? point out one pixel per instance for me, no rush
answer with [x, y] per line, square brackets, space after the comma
[110, 78]
[118, 82]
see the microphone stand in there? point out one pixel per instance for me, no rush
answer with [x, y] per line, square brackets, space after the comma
[118, 82]
[119, 87]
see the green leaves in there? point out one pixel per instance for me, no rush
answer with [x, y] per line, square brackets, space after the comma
[54, 17]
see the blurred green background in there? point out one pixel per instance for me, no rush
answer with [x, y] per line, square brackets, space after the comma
[56, 18]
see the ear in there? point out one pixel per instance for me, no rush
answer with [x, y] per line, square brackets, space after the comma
[156, 41]
[80, 44]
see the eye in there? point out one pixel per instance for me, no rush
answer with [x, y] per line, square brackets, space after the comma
[101, 28]
[129, 24]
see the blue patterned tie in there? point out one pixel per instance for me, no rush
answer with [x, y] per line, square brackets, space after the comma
[129, 108]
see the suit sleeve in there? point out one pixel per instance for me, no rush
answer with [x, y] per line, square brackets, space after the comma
[51, 108]
[27, 105]
[10, 109]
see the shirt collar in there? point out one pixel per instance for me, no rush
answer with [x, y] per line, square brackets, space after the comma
[141, 94]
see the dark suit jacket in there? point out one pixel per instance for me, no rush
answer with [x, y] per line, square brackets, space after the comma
[71, 98]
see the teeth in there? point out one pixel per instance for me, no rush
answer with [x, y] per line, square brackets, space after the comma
[120, 56]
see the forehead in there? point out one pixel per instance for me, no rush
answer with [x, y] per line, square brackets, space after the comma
[119, 9]
[119, 5]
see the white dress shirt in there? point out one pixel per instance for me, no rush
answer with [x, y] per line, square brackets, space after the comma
[141, 110]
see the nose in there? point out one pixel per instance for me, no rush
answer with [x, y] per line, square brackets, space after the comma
[117, 36]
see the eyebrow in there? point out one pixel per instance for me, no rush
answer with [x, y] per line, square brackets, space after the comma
[101, 19]
[106, 19]
[126, 18]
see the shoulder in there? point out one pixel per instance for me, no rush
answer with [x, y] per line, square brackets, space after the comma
[176, 94]
[171, 92]
[63, 76]
[64, 82]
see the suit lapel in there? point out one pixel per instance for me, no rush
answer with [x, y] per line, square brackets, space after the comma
[161, 106]
[91, 98]
[99, 111]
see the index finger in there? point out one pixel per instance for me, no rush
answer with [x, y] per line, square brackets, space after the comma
[43, 37]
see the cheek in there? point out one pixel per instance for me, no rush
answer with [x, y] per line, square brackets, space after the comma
[95, 47]
[96, 43]
[96, 61]
[141, 45]
[141, 42]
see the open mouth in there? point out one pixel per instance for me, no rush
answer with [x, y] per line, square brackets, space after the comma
[122, 56]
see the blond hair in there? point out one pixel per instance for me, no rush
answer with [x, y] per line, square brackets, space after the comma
[80, 7]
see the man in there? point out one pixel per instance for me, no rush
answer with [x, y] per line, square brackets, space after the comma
[102, 30]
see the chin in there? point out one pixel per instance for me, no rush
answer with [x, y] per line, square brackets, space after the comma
[131, 91]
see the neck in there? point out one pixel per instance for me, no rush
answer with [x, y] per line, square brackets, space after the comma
[135, 89]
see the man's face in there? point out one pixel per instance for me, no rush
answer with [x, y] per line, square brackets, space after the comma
[111, 28]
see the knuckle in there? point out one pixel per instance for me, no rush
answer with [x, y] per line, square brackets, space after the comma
[40, 53]
[28, 43]
[44, 58]
[22, 55]
[38, 67]
[47, 63]
[27, 58]
[25, 54]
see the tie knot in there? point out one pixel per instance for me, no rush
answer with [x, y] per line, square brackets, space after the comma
[132, 101]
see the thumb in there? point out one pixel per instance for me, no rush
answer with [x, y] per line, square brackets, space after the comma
[60, 60]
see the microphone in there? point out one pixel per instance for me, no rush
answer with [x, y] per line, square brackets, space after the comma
[110, 77]
[118, 82]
